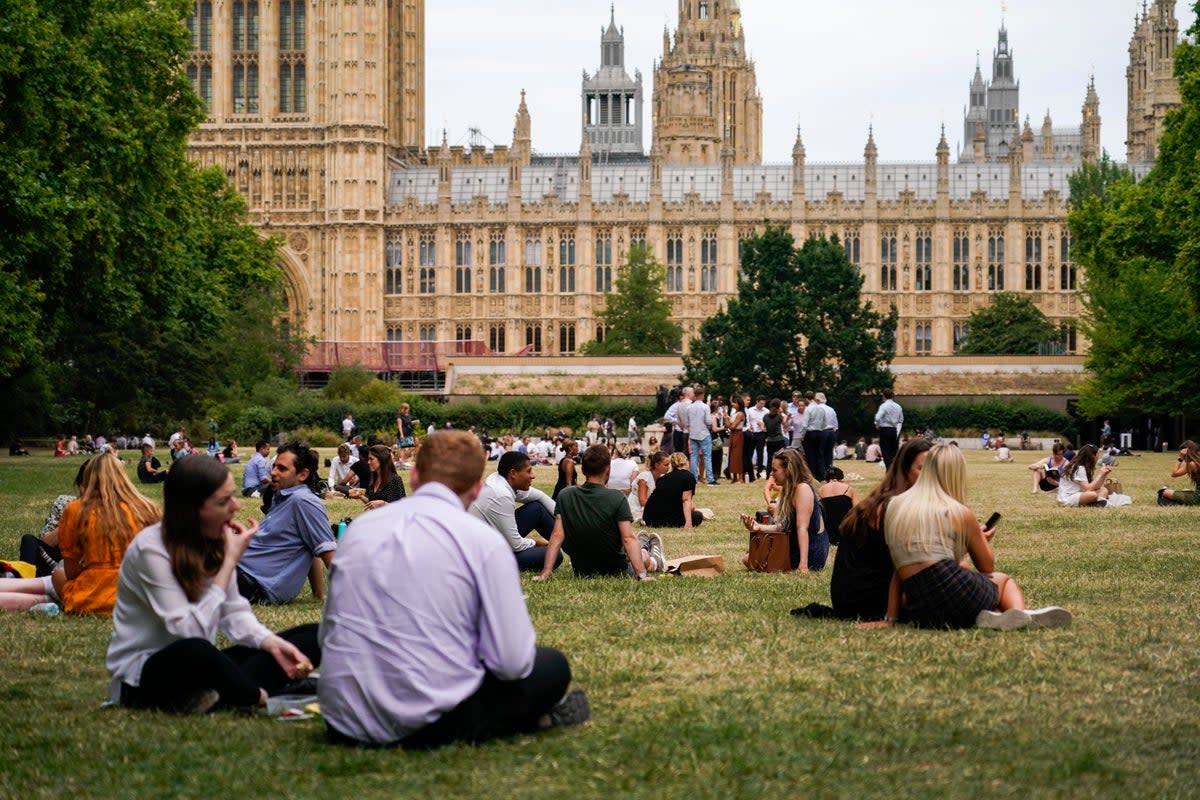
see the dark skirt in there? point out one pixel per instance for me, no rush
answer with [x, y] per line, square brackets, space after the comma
[947, 595]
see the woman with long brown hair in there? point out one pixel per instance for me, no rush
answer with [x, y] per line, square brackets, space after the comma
[93, 533]
[737, 438]
[177, 590]
[386, 486]
[1188, 464]
[797, 514]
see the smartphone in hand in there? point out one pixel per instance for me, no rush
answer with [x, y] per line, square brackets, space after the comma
[991, 521]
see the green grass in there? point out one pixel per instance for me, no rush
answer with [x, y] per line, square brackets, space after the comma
[707, 687]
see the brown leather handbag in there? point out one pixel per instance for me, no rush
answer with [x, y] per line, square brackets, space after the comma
[769, 552]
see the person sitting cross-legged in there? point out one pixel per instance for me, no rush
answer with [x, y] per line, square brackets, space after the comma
[595, 526]
[426, 639]
[510, 484]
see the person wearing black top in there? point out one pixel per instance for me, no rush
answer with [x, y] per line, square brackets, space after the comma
[566, 468]
[670, 504]
[149, 470]
[384, 485]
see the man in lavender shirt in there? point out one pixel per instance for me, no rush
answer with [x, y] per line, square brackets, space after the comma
[426, 639]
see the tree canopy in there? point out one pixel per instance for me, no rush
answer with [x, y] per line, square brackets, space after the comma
[798, 322]
[1138, 244]
[123, 269]
[1010, 325]
[637, 317]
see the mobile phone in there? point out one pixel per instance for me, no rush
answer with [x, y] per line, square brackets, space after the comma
[991, 521]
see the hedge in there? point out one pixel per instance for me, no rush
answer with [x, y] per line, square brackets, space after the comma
[999, 415]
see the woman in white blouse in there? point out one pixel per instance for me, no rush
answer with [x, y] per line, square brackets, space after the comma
[177, 589]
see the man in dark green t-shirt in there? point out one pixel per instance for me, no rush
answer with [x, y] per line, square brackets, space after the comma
[594, 525]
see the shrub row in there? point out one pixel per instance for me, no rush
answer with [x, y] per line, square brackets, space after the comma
[1004, 415]
[309, 412]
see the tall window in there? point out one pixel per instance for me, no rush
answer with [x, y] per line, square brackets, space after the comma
[566, 263]
[1067, 337]
[637, 238]
[1033, 261]
[708, 261]
[428, 333]
[292, 95]
[960, 336]
[533, 338]
[245, 56]
[1067, 270]
[496, 259]
[852, 244]
[427, 256]
[394, 333]
[924, 262]
[533, 264]
[675, 261]
[496, 338]
[199, 25]
[923, 338]
[601, 332]
[604, 260]
[462, 263]
[995, 260]
[200, 74]
[887, 261]
[392, 263]
[962, 261]
[566, 338]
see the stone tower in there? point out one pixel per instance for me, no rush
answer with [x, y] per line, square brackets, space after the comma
[1091, 124]
[612, 101]
[705, 89]
[1153, 89]
[307, 99]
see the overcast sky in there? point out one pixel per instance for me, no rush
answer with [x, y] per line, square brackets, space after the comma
[831, 67]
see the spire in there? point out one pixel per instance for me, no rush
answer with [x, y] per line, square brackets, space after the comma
[871, 152]
[798, 151]
[943, 147]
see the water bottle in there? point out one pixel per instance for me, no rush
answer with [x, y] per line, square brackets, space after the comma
[342, 527]
[49, 609]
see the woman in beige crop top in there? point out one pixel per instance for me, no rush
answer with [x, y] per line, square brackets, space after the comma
[929, 533]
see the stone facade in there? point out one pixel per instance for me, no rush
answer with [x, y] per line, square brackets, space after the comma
[390, 246]
[1153, 90]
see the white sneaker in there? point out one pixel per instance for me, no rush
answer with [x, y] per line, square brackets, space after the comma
[1049, 617]
[656, 551]
[1010, 620]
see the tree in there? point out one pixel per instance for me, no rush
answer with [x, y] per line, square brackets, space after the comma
[124, 270]
[637, 317]
[1010, 325]
[798, 322]
[1138, 244]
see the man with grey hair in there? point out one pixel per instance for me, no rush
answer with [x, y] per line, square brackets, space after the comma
[677, 416]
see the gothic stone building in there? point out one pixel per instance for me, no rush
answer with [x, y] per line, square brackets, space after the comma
[396, 252]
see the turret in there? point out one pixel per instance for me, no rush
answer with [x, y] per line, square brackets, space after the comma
[871, 155]
[523, 133]
[1090, 151]
[1047, 138]
[1027, 141]
[798, 190]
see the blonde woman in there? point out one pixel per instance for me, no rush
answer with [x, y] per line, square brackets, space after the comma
[797, 513]
[93, 534]
[671, 504]
[930, 532]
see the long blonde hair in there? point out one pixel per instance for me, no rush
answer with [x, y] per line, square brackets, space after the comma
[935, 501]
[104, 496]
[795, 472]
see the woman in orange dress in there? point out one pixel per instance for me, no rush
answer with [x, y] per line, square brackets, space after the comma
[92, 534]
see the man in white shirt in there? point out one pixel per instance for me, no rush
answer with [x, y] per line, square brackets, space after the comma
[510, 484]
[675, 415]
[426, 639]
[341, 479]
[699, 424]
[757, 435]
[795, 419]
[889, 419]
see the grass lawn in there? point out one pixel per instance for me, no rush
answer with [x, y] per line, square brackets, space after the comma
[707, 687]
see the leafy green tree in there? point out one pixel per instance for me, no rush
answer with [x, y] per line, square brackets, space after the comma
[124, 271]
[1138, 244]
[637, 317]
[798, 322]
[1010, 325]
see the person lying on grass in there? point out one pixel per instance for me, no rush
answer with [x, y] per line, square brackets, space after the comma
[93, 534]
[177, 590]
[930, 532]
[1188, 464]
[798, 513]
[594, 525]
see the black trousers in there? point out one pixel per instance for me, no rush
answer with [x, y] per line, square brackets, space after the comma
[889, 443]
[498, 708]
[758, 451]
[176, 673]
[43, 556]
